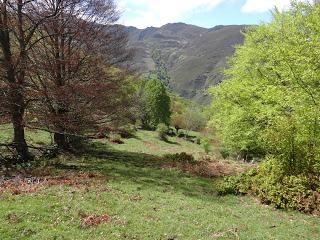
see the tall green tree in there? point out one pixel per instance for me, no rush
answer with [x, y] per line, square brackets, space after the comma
[270, 102]
[155, 103]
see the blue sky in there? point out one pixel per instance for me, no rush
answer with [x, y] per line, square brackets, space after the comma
[205, 13]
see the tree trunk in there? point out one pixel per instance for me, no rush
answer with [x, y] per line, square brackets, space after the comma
[62, 141]
[17, 114]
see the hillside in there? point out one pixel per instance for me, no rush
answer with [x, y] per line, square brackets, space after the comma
[193, 56]
[130, 191]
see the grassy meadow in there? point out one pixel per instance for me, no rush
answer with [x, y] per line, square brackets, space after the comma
[142, 198]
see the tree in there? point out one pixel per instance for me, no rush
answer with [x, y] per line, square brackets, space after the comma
[155, 104]
[178, 107]
[161, 71]
[19, 20]
[270, 103]
[79, 73]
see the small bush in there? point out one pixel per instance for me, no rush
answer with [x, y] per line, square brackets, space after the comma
[115, 138]
[180, 157]
[181, 133]
[228, 185]
[171, 132]
[162, 131]
[238, 184]
[270, 184]
[225, 153]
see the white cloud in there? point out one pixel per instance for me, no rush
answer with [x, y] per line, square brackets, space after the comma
[159, 12]
[144, 13]
[264, 5]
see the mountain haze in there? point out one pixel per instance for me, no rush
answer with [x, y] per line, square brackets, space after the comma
[193, 56]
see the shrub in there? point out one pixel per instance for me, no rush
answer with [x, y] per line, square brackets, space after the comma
[162, 131]
[238, 184]
[228, 185]
[270, 184]
[225, 153]
[180, 157]
[181, 133]
[171, 132]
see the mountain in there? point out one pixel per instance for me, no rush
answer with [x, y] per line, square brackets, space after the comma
[191, 57]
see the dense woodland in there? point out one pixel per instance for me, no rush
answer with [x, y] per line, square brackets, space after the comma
[66, 70]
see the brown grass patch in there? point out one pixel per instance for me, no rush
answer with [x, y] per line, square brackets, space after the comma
[210, 169]
[20, 184]
[95, 220]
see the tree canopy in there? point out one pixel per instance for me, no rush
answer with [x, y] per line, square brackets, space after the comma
[155, 103]
[270, 102]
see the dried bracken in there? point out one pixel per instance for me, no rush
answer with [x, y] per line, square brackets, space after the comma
[209, 168]
[19, 184]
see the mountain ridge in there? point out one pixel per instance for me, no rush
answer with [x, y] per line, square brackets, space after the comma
[192, 57]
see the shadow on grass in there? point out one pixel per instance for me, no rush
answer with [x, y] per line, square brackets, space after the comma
[144, 170]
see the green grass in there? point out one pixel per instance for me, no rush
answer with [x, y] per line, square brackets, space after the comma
[170, 204]
[145, 202]
[149, 143]
[32, 137]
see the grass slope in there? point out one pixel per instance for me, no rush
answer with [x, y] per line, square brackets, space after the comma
[144, 201]
[148, 142]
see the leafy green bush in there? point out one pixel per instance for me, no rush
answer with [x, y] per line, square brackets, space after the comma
[225, 152]
[270, 184]
[180, 157]
[238, 184]
[181, 133]
[172, 132]
[162, 131]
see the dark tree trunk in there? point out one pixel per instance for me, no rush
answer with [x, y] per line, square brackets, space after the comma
[16, 97]
[60, 137]
[19, 139]
[17, 115]
[62, 141]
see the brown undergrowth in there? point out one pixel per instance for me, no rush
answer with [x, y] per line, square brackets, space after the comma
[209, 168]
[22, 184]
